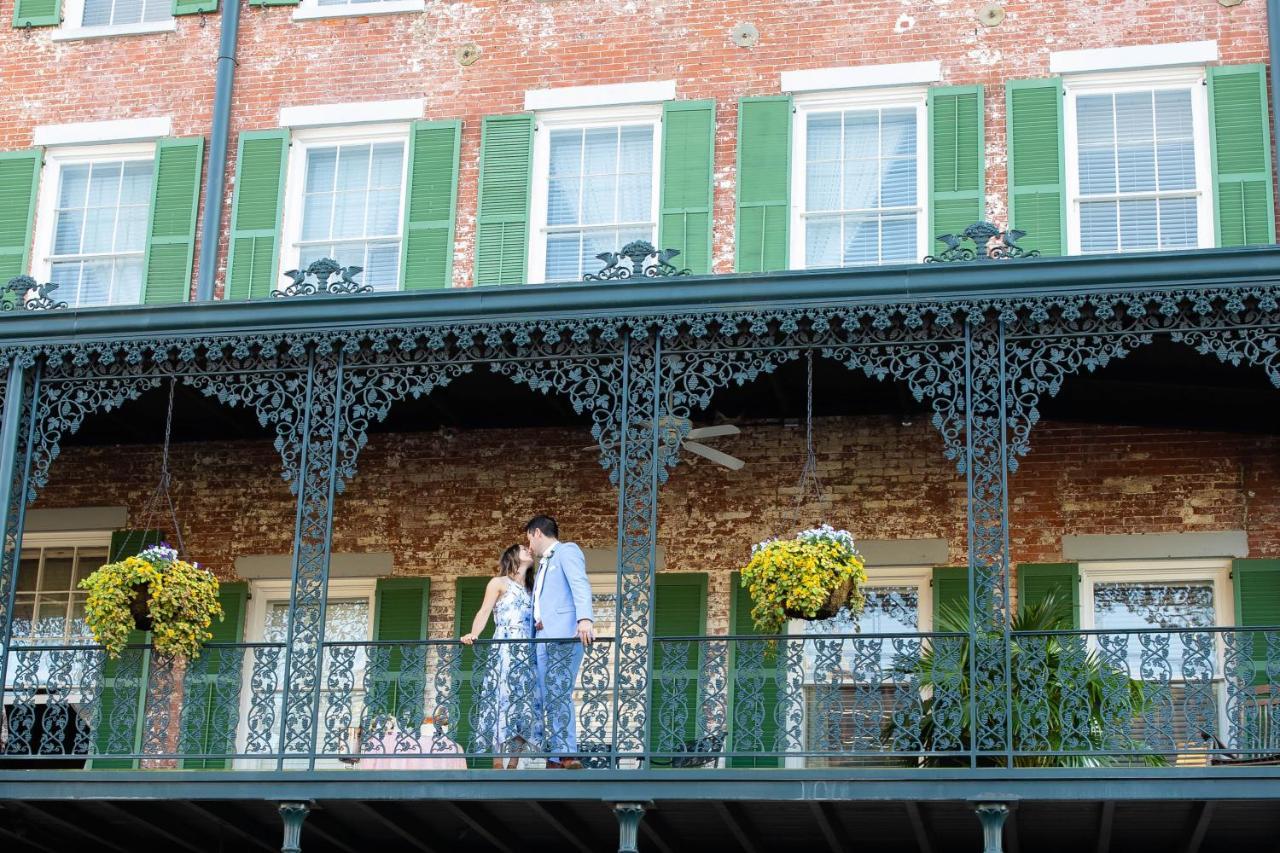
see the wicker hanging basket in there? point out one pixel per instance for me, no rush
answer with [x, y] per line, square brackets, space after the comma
[838, 599]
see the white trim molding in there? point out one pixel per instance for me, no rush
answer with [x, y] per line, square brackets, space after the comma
[139, 29]
[1136, 56]
[96, 132]
[613, 94]
[359, 112]
[861, 76]
[309, 10]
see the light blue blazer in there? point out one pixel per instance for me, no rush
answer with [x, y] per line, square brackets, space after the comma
[564, 593]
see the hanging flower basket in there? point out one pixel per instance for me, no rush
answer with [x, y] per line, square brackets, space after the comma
[812, 576]
[154, 591]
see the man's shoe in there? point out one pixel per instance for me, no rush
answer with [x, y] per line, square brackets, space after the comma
[552, 764]
[571, 764]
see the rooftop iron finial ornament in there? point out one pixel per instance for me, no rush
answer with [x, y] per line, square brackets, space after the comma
[318, 279]
[639, 253]
[21, 285]
[979, 235]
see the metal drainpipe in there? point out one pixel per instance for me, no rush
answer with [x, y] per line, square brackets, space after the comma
[215, 185]
[1273, 46]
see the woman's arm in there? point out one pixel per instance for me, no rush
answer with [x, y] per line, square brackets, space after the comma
[491, 593]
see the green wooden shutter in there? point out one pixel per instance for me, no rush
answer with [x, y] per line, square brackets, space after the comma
[19, 176]
[950, 591]
[1037, 580]
[400, 615]
[254, 258]
[740, 623]
[37, 13]
[1257, 593]
[1241, 146]
[764, 183]
[688, 161]
[680, 609]
[426, 259]
[469, 595]
[211, 688]
[171, 234]
[122, 706]
[502, 222]
[957, 178]
[1037, 199]
[192, 7]
[274, 2]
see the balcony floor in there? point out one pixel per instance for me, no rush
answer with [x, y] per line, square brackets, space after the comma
[1134, 811]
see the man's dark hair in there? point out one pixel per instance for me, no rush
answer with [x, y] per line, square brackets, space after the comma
[546, 524]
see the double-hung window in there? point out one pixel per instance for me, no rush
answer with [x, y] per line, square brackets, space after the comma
[93, 18]
[595, 188]
[346, 201]
[95, 205]
[48, 602]
[1138, 168]
[858, 181]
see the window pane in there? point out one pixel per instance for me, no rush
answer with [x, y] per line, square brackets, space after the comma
[898, 133]
[598, 196]
[382, 266]
[861, 240]
[888, 610]
[562, 201]
[321, 166]
[822, 242]
[861, 184]
[1096, 141]
[1178, 226]
[348, 215]
[75, 185]
[1098, 226]
[1175, 146]
[600, 151]
[353, 168]
[97, 13]
[898, 239]
[127, 12]
[861, 135]
[822, 185]
[135, 188]
[28, 572]
[58, 567]
[1127, 605]
[635, 197]
[566, 152]
[822, 137]
[898, 183]
[316, 213]
[51, 615]
[388, 165]
[23, 612]
[158, 10]
[1135, 142]
[563, 251]
[67, 232]
[131, 229]
[1138, 224]
[384, 213]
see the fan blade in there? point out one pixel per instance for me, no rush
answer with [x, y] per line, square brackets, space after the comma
[610, 446]
[713, 431]
[733, 463]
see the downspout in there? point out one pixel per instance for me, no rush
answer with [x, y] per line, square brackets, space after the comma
[1273, 47]
[215, 183]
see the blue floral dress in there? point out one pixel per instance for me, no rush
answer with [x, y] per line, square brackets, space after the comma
[511, 674]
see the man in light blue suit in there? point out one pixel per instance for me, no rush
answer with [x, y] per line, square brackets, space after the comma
[561, 611]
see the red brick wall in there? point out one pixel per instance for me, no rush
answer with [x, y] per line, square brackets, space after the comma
[527, 44]
[447, 507]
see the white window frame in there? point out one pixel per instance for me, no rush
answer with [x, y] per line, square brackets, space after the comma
[636, 114]
[55, 160]
[304, 139]
[917, 576]
[73, 28]
[261, 594]
[1217, 571]
[805, 105]
[310, 10]
[1139, 81]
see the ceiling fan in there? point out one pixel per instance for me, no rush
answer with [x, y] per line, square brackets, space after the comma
[673, 428]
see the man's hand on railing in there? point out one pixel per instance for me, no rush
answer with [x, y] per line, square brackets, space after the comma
[586, 631]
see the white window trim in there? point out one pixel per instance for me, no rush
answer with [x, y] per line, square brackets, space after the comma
[296, 180]
[544, 124]
[865, 99]
[70, 539]
[860, 76]
[1133, 56]
[355, 113]
[55, 159]
[1218, 571]
[310, 10]
[72, 30]
[102, 132]
[1193, 78]
[604, 96]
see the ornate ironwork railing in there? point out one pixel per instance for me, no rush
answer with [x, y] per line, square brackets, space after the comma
[319, 279]
[973, 243]
[645, 262]
[1205, 696]
[41, 298]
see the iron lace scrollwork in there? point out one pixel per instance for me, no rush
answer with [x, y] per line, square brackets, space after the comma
[978, 236]
[646, 262]
[317, 278]
[22, 285]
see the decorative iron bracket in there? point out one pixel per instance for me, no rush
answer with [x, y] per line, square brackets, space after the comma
[645, 261]
[42, 301]
[318, 279]
[979, 235]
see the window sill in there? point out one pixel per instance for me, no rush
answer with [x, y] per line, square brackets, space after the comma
[386, 7]
[142, 28]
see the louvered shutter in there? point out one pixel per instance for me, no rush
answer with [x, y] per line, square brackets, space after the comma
[764, 183]
[950, 595]
[680, 607]
[957, 176]
[254, 258]
[19, 177]
[763, 733]
[1062, 580]
[502, 223]
[469, 595]
[1241, 149]
[122, 705]
[398, 689]
[274, 2]
[171, 234]
[212, 684]
[192, 7]
[426, 259]
[1037, 199]
[1257, 594]
[37, 13]
[688, 156]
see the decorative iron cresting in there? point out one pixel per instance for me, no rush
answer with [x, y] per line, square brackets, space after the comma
[22, 285]
[979, 235]
[646, 261]
[317, 279]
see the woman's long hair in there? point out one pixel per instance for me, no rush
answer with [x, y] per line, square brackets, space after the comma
[509, 566]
